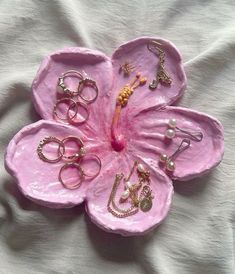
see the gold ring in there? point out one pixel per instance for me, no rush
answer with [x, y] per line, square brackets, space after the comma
[81, 149]
[64, 167]
[87, 82]
[45, 141]
[72, 104]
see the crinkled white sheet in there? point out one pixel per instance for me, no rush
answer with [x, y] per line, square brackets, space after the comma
[198, 234]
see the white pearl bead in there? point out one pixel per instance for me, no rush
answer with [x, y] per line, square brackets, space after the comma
[140, 168]
[125, 194]
[163, 158]
[128, 184]
[172, 123]
[59, 89]
[170, 166]
[170, 133]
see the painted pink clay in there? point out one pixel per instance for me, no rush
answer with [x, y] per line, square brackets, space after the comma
[137, 134]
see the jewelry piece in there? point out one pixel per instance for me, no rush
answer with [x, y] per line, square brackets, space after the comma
[172, 129]
[74, 160]
[61, 87]
[48, 140]
[80, 145]
[120, 213]
[127, 68]
[128, 89]
[131, 188]
[169, 161]
[142, 173]
[71, 119]
[73, 105]
[87, 82]
[97, 159]
[144, 201]
[80, 170]
[161, 76]
[84, 81]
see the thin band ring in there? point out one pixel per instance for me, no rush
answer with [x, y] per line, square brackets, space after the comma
[98, 172]
[81, 149]
[48, 140]
[80, 170]
[72, 104]
[87, 82]
[71, 119]
[62, 88]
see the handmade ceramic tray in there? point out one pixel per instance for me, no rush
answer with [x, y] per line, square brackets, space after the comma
[138, 135]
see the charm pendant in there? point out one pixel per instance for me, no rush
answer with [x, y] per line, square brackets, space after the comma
[146, 204]
[153, 85]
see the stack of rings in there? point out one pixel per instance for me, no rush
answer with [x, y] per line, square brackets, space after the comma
[69, 95]
[72, 161]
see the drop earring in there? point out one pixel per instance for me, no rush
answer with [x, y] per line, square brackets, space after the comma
[173, 129]
[162, 75]
[168, 161]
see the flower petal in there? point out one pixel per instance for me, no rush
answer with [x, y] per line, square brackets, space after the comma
[140, 223]
[137, 54]
[142, 124]
[147, 139]
[38, 180]
[94, 63]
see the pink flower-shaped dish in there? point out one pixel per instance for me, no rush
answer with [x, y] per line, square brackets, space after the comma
[137, 134]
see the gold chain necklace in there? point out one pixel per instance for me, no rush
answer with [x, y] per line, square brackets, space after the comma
[120, 213]
[144, 201]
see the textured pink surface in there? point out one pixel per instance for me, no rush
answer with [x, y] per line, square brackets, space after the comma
[140, 129]
[38, 180]
[139, 223]
[199, 158]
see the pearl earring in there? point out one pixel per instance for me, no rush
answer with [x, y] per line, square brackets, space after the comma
[168, 161]
[172, 129]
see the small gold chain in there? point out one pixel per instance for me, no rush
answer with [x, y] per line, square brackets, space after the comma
[120, 213]
[144, 201]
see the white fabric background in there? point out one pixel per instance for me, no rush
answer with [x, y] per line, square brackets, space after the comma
[198, 234]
